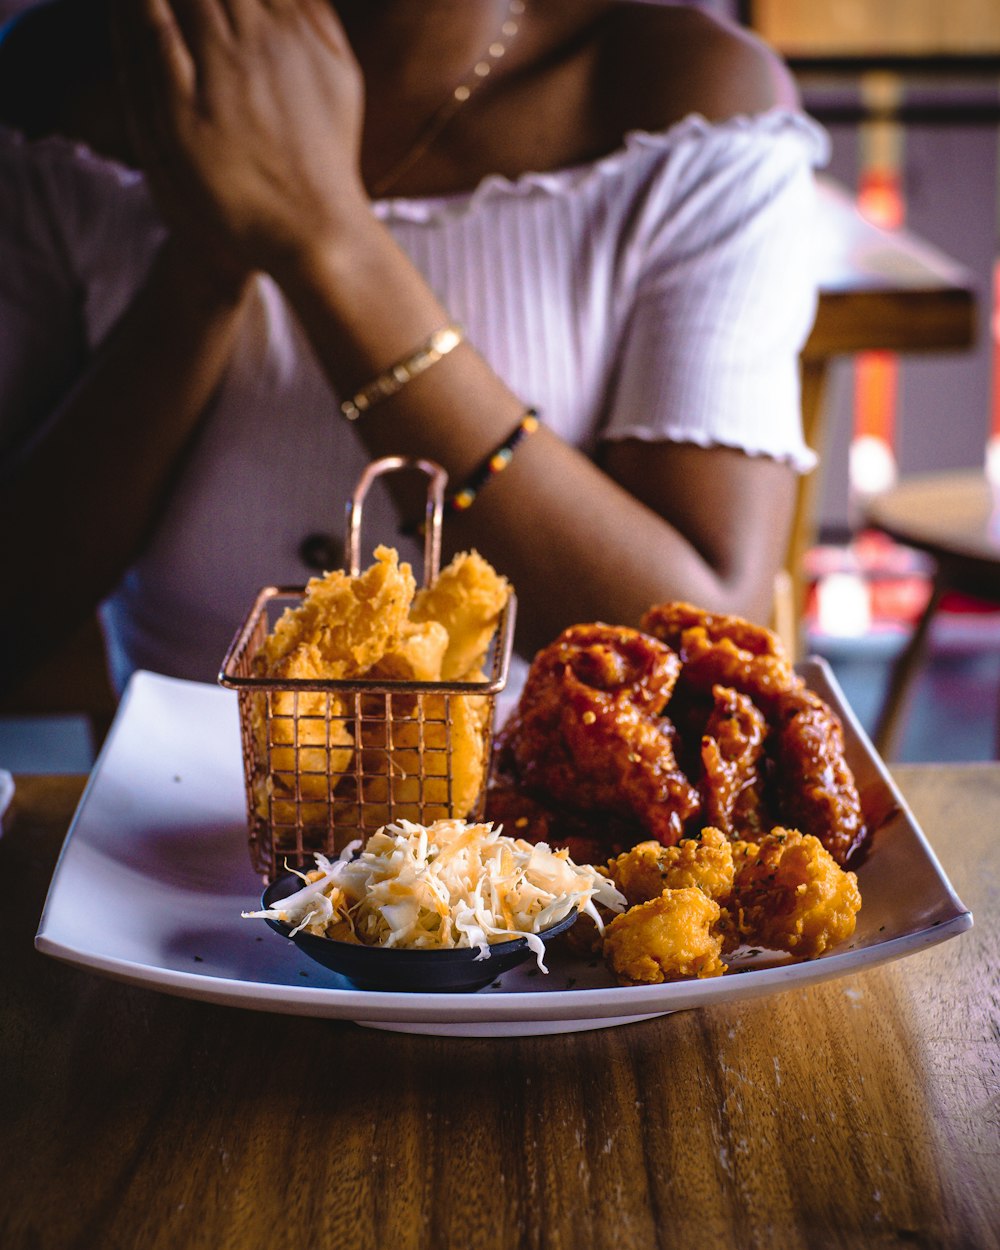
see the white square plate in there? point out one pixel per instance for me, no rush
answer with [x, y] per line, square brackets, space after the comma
[155, 872]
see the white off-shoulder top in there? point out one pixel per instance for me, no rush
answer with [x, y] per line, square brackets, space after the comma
[662, 292]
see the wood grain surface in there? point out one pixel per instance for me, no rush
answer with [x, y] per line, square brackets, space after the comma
[888, 27]
[882, 289]
[860, 1113]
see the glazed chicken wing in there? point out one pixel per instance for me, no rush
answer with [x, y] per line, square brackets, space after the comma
[588, 733]
[722, 650]
[733, 763]
[815, 788]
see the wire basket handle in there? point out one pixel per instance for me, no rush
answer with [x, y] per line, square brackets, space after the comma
[433, 510]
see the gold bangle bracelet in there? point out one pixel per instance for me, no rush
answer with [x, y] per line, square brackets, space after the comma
[440, 343]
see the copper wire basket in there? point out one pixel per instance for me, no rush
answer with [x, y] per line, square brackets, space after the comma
[328, 762]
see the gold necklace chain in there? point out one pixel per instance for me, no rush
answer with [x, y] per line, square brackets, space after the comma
[460, 94]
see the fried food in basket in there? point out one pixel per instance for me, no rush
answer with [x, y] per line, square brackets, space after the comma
[428, 765]
[344, 624]
[341, 627]
[467, 598]
[434, 763]
[588, 733]
[377, 757]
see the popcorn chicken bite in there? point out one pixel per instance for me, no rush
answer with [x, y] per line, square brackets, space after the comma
[669, 938]
[704, 863]
[790, 894]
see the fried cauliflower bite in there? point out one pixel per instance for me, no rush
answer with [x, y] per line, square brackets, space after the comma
[672, 937]
[705, 863]
[790, 894]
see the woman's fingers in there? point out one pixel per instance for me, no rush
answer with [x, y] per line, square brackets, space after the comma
[247, 117]
[154, 53]
[206, 26]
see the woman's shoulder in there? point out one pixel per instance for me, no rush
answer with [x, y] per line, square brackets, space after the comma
[663, 62]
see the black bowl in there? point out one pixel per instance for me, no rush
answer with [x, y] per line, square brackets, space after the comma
[412, 971]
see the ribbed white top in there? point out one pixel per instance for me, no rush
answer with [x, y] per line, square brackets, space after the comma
[662, 292]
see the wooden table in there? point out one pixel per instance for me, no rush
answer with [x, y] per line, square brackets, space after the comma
[951, 517]
[884, 290]
[863, 1112]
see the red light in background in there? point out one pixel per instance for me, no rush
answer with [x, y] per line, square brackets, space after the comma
[880, 197]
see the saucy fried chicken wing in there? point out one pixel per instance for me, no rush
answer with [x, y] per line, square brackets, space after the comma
[721, 650]
[815, 788]
[789, 894]
[734, 764]
[589, 837]
[588, 733]
[671, 937]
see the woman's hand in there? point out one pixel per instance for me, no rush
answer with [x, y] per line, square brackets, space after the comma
[247, 118]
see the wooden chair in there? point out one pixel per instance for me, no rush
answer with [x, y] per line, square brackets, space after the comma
[880, 290]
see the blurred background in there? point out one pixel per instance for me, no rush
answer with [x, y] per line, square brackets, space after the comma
[909, 91]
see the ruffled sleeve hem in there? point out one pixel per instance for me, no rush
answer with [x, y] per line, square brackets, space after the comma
[801, 458]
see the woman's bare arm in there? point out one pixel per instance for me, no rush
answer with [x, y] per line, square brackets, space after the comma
[78, 499]
[580, 542]
[275, 172]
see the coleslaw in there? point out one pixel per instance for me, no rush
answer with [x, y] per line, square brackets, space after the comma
[443, 886]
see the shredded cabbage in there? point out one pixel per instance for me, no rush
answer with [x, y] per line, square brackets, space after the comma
[443, 886]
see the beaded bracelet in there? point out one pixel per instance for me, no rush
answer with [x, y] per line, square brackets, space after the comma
[494, 463]
[440, 343]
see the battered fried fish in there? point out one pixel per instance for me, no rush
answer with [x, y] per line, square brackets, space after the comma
[467, 598]
[420, 756]
[343, 624]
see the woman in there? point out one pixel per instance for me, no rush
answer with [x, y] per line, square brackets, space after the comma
[610, 199]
